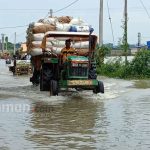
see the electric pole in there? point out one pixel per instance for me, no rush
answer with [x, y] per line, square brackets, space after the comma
[51, 13]
[6, 41]
[3, 37]
[125, 39]
[139, 41]
[15, 44]
[101, 23]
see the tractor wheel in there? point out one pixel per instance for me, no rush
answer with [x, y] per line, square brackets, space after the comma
[53, 88]
[35, 78]
[45, 77]
[99, 88]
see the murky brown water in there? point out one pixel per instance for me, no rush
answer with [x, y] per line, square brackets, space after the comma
[31, 120]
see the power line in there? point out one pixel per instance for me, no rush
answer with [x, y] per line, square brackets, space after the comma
[110, 22]
[13, 27]
[60, 9]
[145, 8]
[45, 16]
[66, 6]
[22, 9]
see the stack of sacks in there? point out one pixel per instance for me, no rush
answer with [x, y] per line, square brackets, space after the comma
[82, 48]
[56, 45]
[35, 34]
[78, 25]
[36, 31]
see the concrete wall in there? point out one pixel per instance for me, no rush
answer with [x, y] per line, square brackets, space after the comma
[121, 53]
[114, 58]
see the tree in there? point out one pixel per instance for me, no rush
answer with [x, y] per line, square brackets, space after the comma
[10, 46]
[6, 42]
[102, 51]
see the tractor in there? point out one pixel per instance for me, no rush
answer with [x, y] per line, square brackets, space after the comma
[79, 70]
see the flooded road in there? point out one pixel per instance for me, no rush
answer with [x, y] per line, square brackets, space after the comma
[31, 120]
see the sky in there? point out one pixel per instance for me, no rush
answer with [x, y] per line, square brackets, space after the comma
[22, 12]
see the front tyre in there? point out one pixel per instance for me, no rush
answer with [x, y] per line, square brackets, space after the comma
[53, 88]
[45, 78]
[99, 88]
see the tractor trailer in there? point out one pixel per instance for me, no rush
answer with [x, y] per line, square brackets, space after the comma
[45, 41]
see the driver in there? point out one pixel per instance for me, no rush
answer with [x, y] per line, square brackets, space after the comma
[67, 50]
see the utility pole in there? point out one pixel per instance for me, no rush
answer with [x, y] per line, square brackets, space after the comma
[139, 41]
[125, 39]
[101, 23]
[15, 44]
[51, 13]
[6, 41]
[3, 37]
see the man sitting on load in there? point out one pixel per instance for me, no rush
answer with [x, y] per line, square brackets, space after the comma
[67, 50]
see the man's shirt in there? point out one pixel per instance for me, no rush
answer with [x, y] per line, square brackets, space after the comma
[67, 52]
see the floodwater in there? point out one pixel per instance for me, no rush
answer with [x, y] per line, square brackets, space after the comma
[32, 120]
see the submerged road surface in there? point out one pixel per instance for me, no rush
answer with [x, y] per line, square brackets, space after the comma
[31, 120]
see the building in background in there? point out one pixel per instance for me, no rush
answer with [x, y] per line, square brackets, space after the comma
[148, 45]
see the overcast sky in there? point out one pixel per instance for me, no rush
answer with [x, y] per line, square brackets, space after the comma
[22, 12]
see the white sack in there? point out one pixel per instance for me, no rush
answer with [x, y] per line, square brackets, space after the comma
[36, 43]
[56, 43]
[38, 24]
[56, 50]
[83, 45]
[36, 51]
[63, 27]
[38, 37]
[76, 21]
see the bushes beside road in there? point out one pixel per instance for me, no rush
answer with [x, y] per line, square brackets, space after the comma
[139, 67]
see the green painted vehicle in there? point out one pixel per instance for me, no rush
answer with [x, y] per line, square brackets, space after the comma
[79, 70]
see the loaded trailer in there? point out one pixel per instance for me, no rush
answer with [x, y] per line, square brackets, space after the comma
[79, 70]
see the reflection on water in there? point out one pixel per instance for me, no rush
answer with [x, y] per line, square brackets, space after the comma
[68, 125]
[31, 120]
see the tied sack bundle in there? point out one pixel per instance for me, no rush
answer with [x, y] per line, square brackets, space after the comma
[44, 28]
[64, 19]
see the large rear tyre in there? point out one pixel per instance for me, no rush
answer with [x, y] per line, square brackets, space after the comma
[45, 78]
[35, 78]
[53, 88]
[99, 88]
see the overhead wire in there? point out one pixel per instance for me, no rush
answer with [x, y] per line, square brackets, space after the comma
[110, 23]
[66, 6]
[13, 27]
[145, 8]
[32, 9]
[44, 17]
